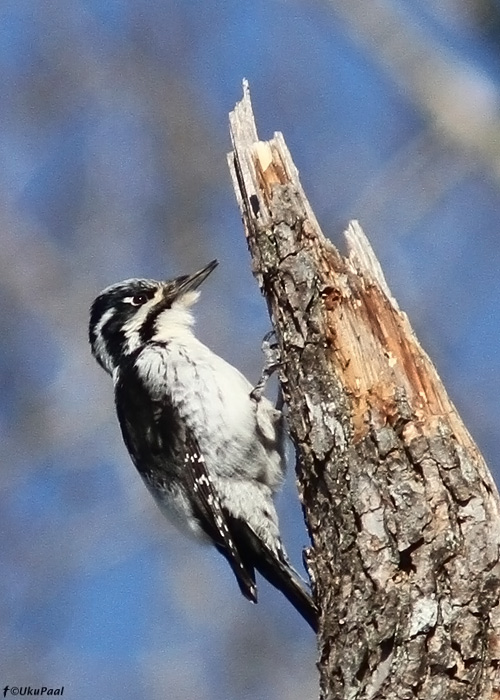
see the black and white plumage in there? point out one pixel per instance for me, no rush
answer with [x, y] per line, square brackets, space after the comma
[209, 452]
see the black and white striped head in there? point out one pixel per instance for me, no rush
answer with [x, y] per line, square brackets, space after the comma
[128, 315]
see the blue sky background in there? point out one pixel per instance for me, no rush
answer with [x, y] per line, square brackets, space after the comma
[113, 142]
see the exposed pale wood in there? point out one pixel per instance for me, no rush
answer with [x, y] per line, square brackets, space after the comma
[401, 508]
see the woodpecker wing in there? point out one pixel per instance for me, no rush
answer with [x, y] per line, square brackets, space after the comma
[240, 545]
[213, 518]
[163, 448]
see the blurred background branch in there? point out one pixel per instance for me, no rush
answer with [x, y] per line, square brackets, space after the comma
[459, 99]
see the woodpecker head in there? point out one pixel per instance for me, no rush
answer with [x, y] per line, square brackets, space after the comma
[129, 314]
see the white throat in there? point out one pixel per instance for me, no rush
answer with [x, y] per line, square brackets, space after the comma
[178, 321]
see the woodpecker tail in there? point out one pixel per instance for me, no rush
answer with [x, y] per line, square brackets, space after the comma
[279, 572]
[275, 568]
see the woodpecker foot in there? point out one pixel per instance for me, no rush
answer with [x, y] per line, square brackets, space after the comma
[272, 362]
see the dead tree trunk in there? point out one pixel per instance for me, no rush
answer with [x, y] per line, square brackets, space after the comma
[401, 508]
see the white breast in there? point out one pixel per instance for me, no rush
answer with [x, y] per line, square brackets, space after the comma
[213, 397]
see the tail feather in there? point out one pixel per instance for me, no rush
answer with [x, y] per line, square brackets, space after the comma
[274, 567]
[278, 571]
[282, 577]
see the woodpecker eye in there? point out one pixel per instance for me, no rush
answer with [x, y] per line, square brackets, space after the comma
[138, 299]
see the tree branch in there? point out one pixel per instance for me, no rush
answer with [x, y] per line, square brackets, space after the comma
[401, 508]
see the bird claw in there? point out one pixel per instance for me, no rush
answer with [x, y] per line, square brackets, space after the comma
[272, 362]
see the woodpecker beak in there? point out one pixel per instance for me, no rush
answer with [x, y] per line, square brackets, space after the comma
[189, 283]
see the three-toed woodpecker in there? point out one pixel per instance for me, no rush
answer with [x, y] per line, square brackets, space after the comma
[210, 453]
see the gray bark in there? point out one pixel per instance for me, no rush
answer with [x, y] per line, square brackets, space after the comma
[401, 509]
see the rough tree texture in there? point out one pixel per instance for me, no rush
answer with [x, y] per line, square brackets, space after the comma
[402, 511]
